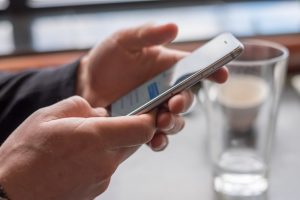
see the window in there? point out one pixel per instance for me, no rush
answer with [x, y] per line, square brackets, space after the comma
[56, 3]
[6, 37]
[59, 25]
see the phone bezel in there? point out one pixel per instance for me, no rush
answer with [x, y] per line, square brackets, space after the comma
[191, 80]
[187, 83]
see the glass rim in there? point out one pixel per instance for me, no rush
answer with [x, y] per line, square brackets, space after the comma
[263, 43]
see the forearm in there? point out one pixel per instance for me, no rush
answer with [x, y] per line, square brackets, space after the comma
[23, 93]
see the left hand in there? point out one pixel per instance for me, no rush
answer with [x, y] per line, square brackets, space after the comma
[69, 151]
[129, 58]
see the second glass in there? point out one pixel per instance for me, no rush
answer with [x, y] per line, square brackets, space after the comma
[242, 116]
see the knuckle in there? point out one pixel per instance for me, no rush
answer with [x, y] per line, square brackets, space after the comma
[104, 186]
[119, 35]
[179, 125]
[182, 125]
[41, 113]
[146, 136]
[78, 103]
[146, 128]
[116, 35]
[188, 99]
[106, 174]
[107, 171]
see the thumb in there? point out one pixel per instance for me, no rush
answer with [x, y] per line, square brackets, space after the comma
[74, 106]
[125, 131]
[134, 39]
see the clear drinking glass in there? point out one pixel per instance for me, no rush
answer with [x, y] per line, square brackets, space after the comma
[242, 116]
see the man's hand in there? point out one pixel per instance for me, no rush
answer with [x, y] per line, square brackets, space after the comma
[127, 59]
[69, 151]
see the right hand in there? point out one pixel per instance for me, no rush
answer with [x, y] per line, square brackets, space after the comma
[69, 151]
[128, 58]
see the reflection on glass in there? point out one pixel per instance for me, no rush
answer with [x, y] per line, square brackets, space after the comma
[6, 38]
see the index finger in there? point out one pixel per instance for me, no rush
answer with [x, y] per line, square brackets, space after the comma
[180, 102]
[220, 76]
[148, 35]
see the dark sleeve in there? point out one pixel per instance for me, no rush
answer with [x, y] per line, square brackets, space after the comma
[23, 93]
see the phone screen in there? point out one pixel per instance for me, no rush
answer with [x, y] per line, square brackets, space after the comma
[142, 94]
[199, 60]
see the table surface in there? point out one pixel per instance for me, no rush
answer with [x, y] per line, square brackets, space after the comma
[183, 170]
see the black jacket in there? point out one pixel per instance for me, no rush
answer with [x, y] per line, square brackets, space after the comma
[23, 93]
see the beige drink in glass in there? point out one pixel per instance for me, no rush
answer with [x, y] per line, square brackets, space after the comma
[241, 98]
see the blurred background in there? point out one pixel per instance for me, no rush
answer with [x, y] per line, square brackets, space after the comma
[39, 27]
[40, 33]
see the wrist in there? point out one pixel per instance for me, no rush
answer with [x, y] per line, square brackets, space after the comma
[11, 177]
[4, 173]
[13, 185]
[5, 178]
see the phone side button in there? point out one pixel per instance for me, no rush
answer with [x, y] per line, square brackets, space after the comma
[206, 73]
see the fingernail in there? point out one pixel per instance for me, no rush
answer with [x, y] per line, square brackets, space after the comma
[171, 125]
[162, 146]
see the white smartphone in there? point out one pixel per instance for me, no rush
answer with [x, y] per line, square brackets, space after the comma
[184, 74]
